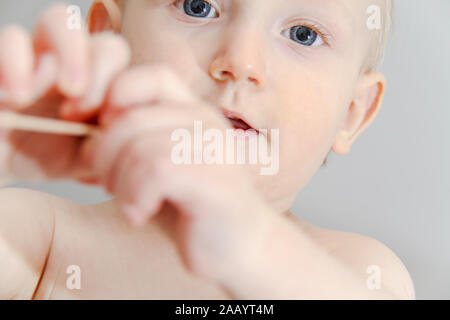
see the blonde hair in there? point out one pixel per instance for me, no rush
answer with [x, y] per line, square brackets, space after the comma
[378, 50]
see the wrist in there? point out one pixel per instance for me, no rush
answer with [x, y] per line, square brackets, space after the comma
[243, 267]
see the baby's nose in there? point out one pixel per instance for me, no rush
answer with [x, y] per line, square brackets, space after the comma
[240, 62]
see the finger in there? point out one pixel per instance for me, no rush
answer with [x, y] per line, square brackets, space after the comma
[109, 55]
[70, 47]
[141, 212]
[147, 120]
[84, 170]
[140, 121]
[44, 77]
[136, 185]
[16, 64]
[145, 85]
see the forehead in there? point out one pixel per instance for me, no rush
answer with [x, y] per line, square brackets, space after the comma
[347, 5]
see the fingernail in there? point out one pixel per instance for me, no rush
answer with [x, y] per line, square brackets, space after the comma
[73, 82]
[135, 214]
[19, 95]
[89, 105]
[66, 110]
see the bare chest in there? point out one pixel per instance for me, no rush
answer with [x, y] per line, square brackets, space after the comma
[95, 258]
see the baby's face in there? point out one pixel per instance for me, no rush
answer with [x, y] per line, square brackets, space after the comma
[291, 65]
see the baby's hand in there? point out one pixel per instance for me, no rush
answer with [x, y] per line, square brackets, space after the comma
[56, 73]
[217, 205]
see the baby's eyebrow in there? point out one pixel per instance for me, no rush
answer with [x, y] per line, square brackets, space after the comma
[334, 13]
[343, 7]
[338, 7]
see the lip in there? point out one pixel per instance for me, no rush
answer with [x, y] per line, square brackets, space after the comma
[238, 121]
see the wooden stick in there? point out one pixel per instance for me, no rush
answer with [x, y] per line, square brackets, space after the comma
[11, 120]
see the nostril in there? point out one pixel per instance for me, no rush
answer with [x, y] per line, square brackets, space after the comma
[254, 81]
[226, 74]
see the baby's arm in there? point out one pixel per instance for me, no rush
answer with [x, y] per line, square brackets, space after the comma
[26, 229]
[286, 263]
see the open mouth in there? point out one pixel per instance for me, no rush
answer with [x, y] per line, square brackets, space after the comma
[237, 122]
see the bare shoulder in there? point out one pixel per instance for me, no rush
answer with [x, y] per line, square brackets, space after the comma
[26, 232]
[367, 255]
[25, 209]
[31, 206]
[16, 198]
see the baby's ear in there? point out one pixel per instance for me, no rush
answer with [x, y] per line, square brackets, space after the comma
[362, 111]
[105, 15]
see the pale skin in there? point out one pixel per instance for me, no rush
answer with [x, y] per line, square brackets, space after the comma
[187, 232]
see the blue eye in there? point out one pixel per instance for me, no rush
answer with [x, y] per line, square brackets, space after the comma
[198, 8]
[305, 36]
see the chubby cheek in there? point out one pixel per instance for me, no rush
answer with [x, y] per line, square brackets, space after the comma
[153, 38]
[158, 39]
[310, 108]
[150, 43]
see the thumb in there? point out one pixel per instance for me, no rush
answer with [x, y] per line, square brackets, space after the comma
[86, 171]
